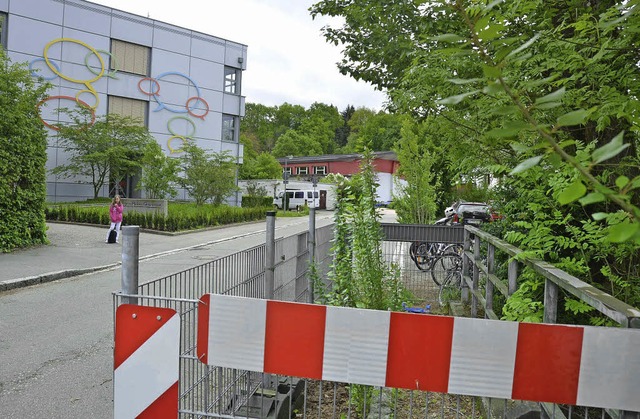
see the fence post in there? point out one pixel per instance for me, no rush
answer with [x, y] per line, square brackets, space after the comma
[491, 251]
[550, 301]
[269, 269]
[476, 277]
[130, 259]
[512, 275]
[465, 265]
[312, 250]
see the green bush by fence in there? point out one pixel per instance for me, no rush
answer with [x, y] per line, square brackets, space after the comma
[250, 201]
[182, 216]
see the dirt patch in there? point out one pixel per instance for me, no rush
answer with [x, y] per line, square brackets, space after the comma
[337, 400]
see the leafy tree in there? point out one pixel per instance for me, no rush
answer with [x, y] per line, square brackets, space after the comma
[159, 172]
[258, 125]
[343, 131]
[416, 204]
[208, 176]
[293, 143]
[538, 75]
[113, 146]
[23, 144]
[264, 166]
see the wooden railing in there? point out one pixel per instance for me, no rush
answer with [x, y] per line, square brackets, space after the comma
[555, 279]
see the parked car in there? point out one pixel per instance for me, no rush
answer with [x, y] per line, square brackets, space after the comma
[468, 212]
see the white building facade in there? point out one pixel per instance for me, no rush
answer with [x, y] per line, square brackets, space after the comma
[184, 85]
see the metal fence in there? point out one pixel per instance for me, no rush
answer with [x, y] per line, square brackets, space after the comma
[208, 391]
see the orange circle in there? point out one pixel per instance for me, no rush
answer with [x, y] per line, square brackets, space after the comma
[78, 101]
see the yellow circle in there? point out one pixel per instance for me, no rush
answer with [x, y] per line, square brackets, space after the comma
[59, 73]
[93, 93]
[175, 150]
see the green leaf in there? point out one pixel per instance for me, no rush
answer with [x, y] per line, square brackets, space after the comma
[622, 181]
[609, 150]
[493, 88]
[598, 216]
[548, 105]
[527, 164]
[520, 148]
[524, 46]
[491, 72]
[622, 232]
[464, 81]
[592, 198]
[491, 5]
[552, 97]
[573, 192]
[453, 100]
[510, 129]
[573, 118]
[448, 37]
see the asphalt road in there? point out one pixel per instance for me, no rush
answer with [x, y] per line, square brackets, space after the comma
[56, 338]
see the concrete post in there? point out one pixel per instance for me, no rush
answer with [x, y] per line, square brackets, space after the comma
[270, 262]
[130, 260]
[312, 250]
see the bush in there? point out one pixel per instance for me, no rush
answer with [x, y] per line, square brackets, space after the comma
[250, 201]
[182, 216]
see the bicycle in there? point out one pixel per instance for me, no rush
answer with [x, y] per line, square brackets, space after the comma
[447, 272]
[424, 254]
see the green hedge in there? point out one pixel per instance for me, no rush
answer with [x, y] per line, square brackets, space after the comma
[250, 201]
[181, 216]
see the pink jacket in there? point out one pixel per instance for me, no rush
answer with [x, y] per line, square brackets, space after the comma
[115, 211]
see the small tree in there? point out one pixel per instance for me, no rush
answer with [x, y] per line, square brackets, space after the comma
[208, 175]
[159, 173]
[417, 202]
[264, 166]
[112, 146]
[23, 156]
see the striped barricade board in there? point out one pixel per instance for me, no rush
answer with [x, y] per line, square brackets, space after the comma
[577, 365]
[146, 362]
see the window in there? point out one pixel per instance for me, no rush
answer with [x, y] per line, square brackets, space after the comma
[320, 170]
[229, 128]
[231, 80]
[3, 30]
[130, 58]
[303, 170]
[287, 170]
[299, 195]
[133, 108]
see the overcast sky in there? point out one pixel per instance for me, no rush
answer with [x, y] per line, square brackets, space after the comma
[288, 58]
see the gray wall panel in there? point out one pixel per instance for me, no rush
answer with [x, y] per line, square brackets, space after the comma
[132, 31]
[209, 75]
[163, 61]
[31, 36]
[47, 11]
[87, 20]
[169, 39]
[210, 51]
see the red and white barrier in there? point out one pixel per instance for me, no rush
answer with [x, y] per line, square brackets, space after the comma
[146, 362]
[587, 366]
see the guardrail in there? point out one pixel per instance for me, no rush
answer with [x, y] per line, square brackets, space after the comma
[555, 279]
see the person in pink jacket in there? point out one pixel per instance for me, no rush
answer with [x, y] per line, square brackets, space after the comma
[115, 213]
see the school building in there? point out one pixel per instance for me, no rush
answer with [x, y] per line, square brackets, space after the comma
[184, 85]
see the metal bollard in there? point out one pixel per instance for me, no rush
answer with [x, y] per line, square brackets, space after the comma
[312, 250]
[130, 260]
[270, 263]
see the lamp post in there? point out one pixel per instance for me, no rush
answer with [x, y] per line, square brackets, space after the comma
[285, 181]
[314, 180]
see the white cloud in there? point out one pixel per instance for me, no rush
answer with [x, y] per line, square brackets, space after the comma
[288, 58]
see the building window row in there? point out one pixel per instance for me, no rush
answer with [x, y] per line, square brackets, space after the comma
[304, 170]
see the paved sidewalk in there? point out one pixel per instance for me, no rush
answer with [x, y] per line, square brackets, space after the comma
[79, 249]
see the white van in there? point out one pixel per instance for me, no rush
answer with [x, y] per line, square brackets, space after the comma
[298, 199]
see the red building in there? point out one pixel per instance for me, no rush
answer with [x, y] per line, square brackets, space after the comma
[384, 162]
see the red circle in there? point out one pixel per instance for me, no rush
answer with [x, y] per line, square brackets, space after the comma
[198, 99]
[78, 101]
[149, 93]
